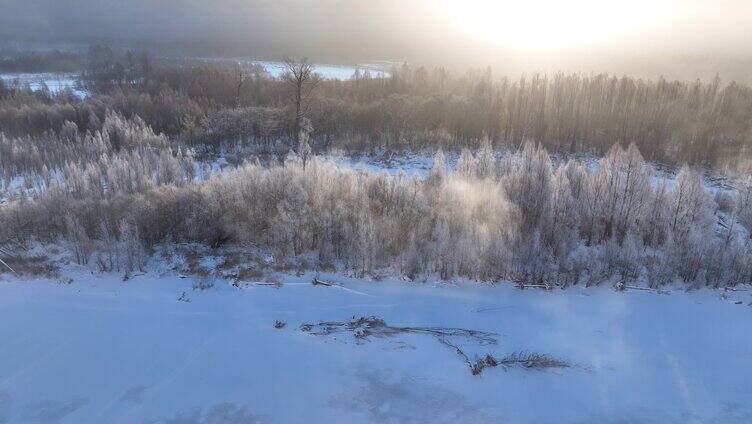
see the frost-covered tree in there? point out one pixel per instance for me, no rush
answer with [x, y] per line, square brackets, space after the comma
[300, 75]
[439, 169]
[132, 251]
[519, 218]
[304, 137]
[562, 220]
[622, 181]
[78, 239]
[484, 161]
[466, 163]
[528, 185]
[691, 206]
[743, 207]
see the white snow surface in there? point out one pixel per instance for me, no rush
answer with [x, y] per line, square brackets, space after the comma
[337, 72]
[103, 350]
[377, 69]
[55, 82]
[410, 164]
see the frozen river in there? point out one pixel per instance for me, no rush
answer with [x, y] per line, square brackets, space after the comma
[103, 350]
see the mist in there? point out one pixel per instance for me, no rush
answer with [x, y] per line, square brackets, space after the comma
[677, 39]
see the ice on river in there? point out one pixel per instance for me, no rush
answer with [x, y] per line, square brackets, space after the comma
[103, 350]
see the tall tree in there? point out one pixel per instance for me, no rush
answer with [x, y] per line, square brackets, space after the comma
[300, 75]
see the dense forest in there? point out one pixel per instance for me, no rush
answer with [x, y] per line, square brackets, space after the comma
[122, 189]
[700, 123]
[114, 174]
[33, 61]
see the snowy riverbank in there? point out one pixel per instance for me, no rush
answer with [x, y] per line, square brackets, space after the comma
[103, 350]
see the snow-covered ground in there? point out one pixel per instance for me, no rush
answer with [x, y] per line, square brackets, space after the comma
[103, 350]
[327, 71]
[339, 72]
[410, 164]
[420, 163]
[55, 82]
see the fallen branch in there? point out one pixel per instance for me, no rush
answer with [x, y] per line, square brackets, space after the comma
[736, 289]
[8, 266]
[19, 245]
[475, 367]
[318, 282]
[364, 327]
[620, 286]
[522, 284]
[530, 361]
[237, 283]
[521, 359]
[15, 242]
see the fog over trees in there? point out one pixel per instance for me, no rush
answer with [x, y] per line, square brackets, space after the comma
[696, 38]
[128, 167]
[382, 211]
[415, 108]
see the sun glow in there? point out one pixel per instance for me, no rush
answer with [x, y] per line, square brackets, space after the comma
[555, 24]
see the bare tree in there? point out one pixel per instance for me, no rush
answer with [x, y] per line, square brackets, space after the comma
[300, 75]
[304, 149]
[239, 85]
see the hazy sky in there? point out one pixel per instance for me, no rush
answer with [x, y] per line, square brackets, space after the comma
[455, 29]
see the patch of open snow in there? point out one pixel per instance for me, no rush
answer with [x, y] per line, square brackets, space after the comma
[337, 72]
[55, 82]
[410, 164]
[104, 350]
[326, 71]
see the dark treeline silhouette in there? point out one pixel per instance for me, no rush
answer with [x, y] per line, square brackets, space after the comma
[42, 61]
[107, 69]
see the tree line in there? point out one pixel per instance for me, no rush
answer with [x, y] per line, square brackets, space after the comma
[41, 61]
[114, 174]
[701, 123]
[117, 192]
